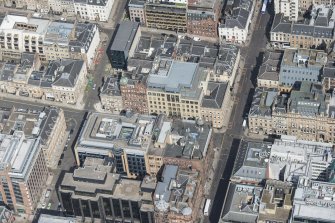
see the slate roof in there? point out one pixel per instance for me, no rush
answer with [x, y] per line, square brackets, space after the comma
[269, 69]
[281, 24]
[111, 87]
[216, 96]
[238, 18]
[328, 71]
[84, 33]
[66, 72]
[48, 123]
[262, 101]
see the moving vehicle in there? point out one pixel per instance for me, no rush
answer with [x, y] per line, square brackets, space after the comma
[207, 205]
[264, 6]
[244, 125]
[47, 194]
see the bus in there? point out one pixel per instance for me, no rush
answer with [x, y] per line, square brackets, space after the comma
[206, 209]
[264, 6]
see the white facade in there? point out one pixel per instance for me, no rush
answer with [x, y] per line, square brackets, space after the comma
[290, 8]
[20, 34]
[236, 30]
[235, 34]
[62, 6]
[176, 1]
[95, 10]
[71, 95]
[92, 50]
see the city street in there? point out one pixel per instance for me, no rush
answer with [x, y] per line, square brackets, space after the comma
[234, 133]
[102, 67]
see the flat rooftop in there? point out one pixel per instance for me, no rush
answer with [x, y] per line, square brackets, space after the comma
[304, 58]
[200, 4]
[90, 181]
[241, 203]
[124, 36]
[18, 152]
[45, 218]
[192, 140]
[172, 75]
[59, 32]
[128, 189]
[252, 160]
[103, 132]
[313, 197]
[10, 22]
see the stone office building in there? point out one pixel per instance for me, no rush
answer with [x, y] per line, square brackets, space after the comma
[94, 193]
[203, 17]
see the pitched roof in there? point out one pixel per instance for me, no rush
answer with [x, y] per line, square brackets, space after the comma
[67, 72]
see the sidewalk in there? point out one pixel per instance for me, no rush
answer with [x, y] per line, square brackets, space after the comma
[27, 100]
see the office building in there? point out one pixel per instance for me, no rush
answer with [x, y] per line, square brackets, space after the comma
[305, 4]
[268, 75]
[215, 100]
[61, 80]
[261, 110]
[120, 48]
[235, 25]
[19, 4]
[68, 40]
[48, 124]
[124, 138]
[175, 197]
[166, 15]
[276, 202]
[251, 162]
[328, 77]
[50, 39]
[203, 17]
[187, 96]
[62, 7]
[47, 218]
[300, 65]
[94, 10]
[21, 34]
[313, 201]
[179, 142]
[221, 61]
[134, 93]
[289, 8]
[110, 96]
[23, 171]
[172, 94]
[94, 193]
[241, 203]
[316, 32]
[136, 11]
[70, 80]
[291, 158]
[306, 113]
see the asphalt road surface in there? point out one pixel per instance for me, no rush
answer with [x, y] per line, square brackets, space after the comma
[253, 55]
[92, 96]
